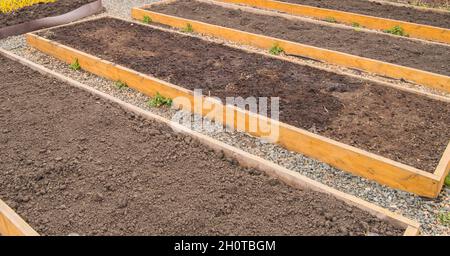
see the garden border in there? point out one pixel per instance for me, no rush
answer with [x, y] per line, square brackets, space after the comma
[79, 13]
[10, 221]
[414, 30]
[337, 154]
[417, 76]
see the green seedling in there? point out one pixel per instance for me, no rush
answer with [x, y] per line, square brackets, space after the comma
[356, 25]
[444, 218]
[75, 65]
[396, 30]
[447, 181]
[159, 101]
[147, 19]
[330, 20]
[276, 50]
[121, 85]
[187, 29]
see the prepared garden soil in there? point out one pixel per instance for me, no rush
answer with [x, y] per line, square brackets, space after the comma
[403, 13]
[39, 11]
[71, 163]
[402, 51]
[402, 126]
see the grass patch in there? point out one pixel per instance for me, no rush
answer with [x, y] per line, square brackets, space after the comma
[120, 85]
[159, 101]
[7, 6]
[188, 28]
[147, 20]
[75, 66]
[396, 30]
[330, 20]
[276, 50]
[444, 218]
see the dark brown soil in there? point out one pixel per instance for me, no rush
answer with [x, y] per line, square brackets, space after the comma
[402, 51]
[405, 127]
[39, 11]
[73, 163]
[382, 10]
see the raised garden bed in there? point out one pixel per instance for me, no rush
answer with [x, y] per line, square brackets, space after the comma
[387, 55]
[86, 163]
[411, 129]
[44, 15]
[420, 23]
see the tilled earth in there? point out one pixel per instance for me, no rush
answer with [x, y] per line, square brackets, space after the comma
[402, 126]
[398, 50]
[39, 11]
[73, 163]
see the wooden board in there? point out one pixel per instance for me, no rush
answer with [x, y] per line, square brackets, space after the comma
[424, 78]
[339, 155]
[12, 224]
[414, 30]
[245, 159]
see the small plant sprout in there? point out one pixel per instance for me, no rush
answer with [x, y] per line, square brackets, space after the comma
[356, 25]
[75, 66]
[121, 85]
[188, 28]
[147, 19]
[396, 30]
[444, 218]
[276, 50]
[447, 181]
[330, 20]
[159, 101]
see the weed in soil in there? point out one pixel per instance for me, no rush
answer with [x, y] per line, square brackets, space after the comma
[120, 85]
[276, 50]
[330, 20]
[447, 181]
[75, 66]
[396, 30]
[188, 28]
[159, 101]
[147, 20]
[444, 218]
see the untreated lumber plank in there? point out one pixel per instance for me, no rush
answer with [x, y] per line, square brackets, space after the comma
[425, 78]
[245, 159]
[414, 30]
[342, 156]
[12, 224]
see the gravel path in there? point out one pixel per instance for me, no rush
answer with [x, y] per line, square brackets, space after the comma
[425, 211]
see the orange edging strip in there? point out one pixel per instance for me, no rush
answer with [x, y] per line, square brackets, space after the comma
[18, 227]
[425, 78]
[420, 31]
[342, 156]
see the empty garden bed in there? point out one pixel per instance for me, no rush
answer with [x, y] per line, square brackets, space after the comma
[408, 130]
[397, 50]
[71, 162]
[406, 127]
